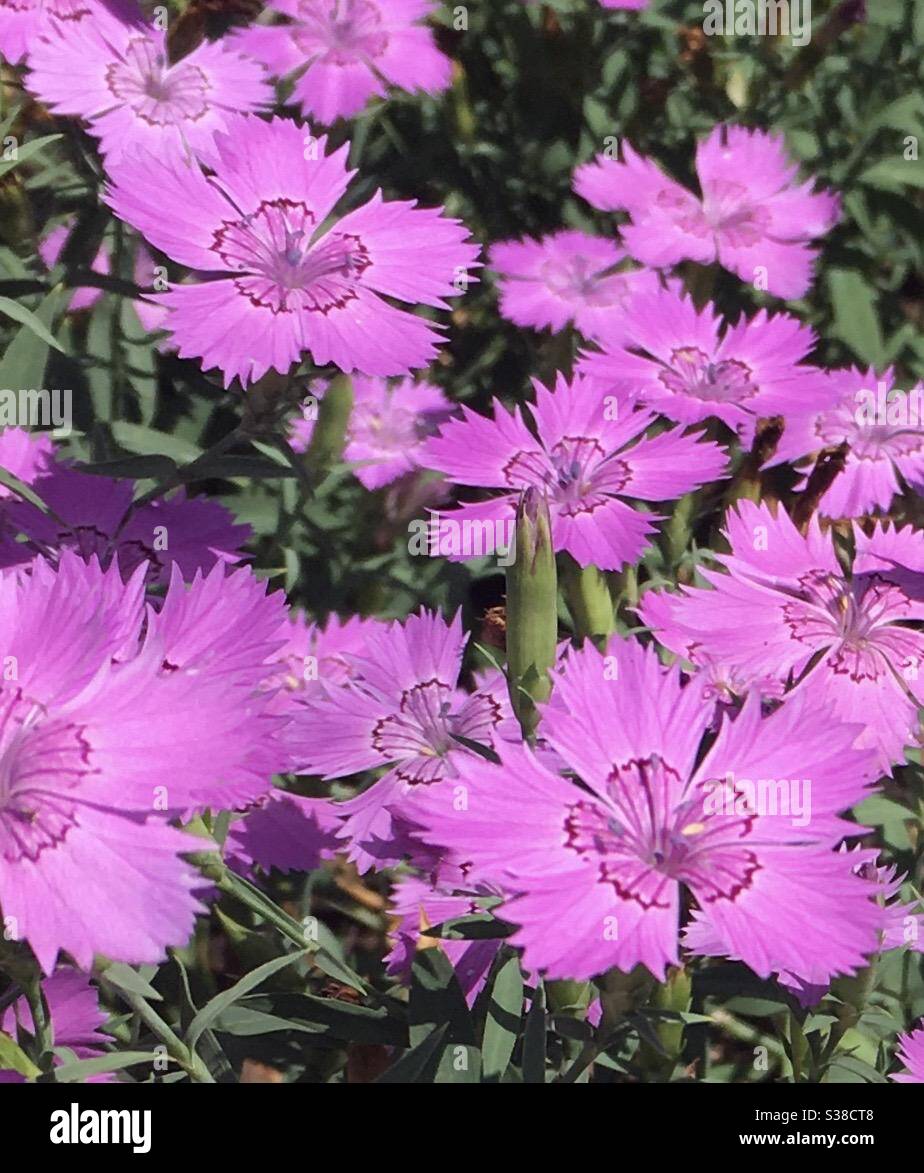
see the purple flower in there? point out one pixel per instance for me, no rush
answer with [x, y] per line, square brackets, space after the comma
[402, 709]
[726, 687]
[283, 286]
[597, 870]
[114, 718]
[25, 23]
[50, 249]
[785, 607]
[691, 366]
[387, 427]
[420, 902]
[82, 868]
[344, 52]
[316, 660]
[27, 455]
[116, 76]
[284, 831]
[754, 218]
[191, 629]
[192, 533]
[144, 272]
[312, 664]
[566, 277]
[885, 433]
[911, 1053]
[74, 1014]
[720, 683]
[587, 457]
[900, 927]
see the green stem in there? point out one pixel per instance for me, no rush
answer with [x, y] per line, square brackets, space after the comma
[745, 1033]
[298, 466]
[571, 1000]
[627, 586]
[679, 529]
[38, 1008]
[19, 963]
[330, 430]
[115, 326]
[265, 909]
[589, 600]
[853, 993]
[466, 123]
[182, 475]
[799, 1052]
[182, 1055]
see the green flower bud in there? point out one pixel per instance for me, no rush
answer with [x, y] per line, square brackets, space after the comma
[532, 610]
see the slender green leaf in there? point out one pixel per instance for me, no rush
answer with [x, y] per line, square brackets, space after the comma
[123, 977]
[502, 1025]
[534, 1044]
[420, 1064]
[23, 364]
[25, 317]
[14, 1058]
[80, 1070]
[27, 151]
[855, 315]
[21, 489]
[221, 1002]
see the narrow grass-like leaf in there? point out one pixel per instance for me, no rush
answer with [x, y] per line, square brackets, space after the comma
[502, 1025]
[25, 317]
[214, 1008]
[27, 151]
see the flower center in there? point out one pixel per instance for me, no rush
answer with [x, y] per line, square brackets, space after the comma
[283, 267]
[578, 279]
[834, 611]
[732, 216]
[159, 94]
[576, 474]
[868, 441]
[856, 620]
[422, 734]
[387, 430]
[87, 540]
[653, 829]
[693, 373]
[90, 542]
[42, 761]
[423, 726]
[346, 30]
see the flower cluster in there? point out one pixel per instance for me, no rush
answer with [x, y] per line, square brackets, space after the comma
[664, 744]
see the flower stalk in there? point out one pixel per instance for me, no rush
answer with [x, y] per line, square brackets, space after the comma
[329, 436]
[590, 603]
